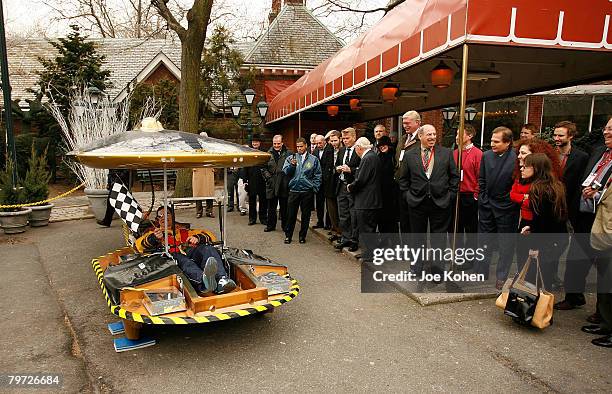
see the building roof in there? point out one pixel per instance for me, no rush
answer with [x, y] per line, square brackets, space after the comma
[128, 59]
[124, 57]
[295, 38]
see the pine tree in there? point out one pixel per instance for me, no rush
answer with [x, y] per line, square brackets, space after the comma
[76, 66]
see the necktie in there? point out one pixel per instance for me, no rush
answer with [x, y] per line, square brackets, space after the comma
[348, 156]
[426, 156]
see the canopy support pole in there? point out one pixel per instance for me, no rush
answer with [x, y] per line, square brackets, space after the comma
[482, 123]
[299, 125]
[460, 132]
[224, 207]
[165, 209]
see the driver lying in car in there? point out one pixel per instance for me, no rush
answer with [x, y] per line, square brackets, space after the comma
[199, 260]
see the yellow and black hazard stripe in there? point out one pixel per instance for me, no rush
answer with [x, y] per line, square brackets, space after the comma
[137, 317]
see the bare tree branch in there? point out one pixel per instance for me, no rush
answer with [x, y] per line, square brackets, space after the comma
[164, 11]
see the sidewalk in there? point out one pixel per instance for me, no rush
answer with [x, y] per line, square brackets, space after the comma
[77, 207]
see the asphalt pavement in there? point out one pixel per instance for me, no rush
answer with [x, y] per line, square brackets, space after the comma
[331, 338]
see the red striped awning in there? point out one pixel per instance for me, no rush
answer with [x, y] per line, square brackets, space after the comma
[417, 30]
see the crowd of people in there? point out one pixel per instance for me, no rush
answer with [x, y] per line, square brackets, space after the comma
[405, 189]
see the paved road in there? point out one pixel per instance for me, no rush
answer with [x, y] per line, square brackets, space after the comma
[330, 338]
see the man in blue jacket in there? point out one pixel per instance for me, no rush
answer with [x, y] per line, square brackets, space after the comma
[304, 171]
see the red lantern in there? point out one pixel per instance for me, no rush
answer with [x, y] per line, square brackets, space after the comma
[354, 103]
[442, 76]
[332, 110]
[389, 92]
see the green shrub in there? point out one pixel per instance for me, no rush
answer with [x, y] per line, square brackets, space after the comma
[36, 181]
[10, 193]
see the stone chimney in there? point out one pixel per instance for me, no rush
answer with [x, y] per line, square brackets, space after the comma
[277, 4]
[275, 10]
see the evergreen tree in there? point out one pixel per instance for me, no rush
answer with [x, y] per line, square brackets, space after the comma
[222, 79]
[76, 66]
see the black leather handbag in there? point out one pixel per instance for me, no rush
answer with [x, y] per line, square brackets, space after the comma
[521, 306]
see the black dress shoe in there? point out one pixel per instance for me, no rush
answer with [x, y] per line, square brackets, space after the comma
[328, 227]
[595, 318]
[333, 238]
[597, 330]
[316, 226]
[565, 305]
[302, 240]
[353, 247]
[287, 240]
[343, 244]
[267, 229]
[103, 223]
[252, 222]
[603, 341]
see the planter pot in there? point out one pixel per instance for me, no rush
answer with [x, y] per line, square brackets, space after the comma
[97, 201]
[15, 222]
[40, 215]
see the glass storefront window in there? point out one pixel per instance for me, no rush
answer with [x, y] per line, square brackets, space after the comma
[576, 108]
[601, 111]
[508, 112]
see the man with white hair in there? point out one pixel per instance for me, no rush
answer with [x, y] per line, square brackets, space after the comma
[429, 182]
[367, 193]
[411, 121]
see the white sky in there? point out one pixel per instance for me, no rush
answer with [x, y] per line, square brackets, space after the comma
[34, 18]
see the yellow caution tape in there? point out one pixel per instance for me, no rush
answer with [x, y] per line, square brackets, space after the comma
[44, 201]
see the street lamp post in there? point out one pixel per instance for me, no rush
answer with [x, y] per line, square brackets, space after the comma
[262, 110]
[6, 92]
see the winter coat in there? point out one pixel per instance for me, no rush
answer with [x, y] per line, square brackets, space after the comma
[306, 175]
[256, 183]
[277, 182]
[203, 182]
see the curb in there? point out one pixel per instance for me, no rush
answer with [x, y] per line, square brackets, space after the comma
[423, 299]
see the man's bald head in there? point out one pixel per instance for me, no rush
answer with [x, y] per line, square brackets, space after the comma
[277, 142]
[320, 141]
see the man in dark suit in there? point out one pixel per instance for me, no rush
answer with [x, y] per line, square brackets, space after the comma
[581, 255]
[346, 166]
[255, 186]
[324, 152]
[330, 181]
[367, 194]
[497, 214]
[429, 182]
[411, 121]
[573, 163]
[277, 183]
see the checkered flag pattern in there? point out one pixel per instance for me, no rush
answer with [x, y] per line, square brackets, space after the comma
[126, 206]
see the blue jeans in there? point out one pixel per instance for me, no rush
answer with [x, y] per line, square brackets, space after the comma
[192, 264]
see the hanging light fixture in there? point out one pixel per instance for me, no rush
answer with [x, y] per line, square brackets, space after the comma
[332, 110]
[389, 92]
[442, 75]
[355, 104]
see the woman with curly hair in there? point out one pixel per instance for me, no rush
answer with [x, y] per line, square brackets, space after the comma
[549, 209]
[526, 147]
